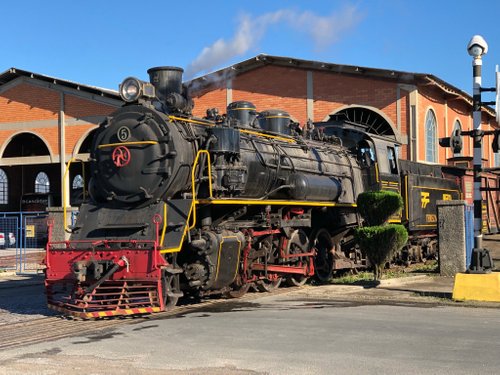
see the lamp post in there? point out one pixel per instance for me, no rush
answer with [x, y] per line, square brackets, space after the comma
[481, 259]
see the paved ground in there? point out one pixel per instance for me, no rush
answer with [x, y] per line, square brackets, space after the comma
[312, 330]
[407, 325]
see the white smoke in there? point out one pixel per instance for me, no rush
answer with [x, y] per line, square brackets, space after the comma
[323, 30]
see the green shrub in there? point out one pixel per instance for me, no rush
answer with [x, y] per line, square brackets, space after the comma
[377, 207]
[380, 243]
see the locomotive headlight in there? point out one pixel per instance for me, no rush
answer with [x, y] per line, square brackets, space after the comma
[133, 89]
[130, 89]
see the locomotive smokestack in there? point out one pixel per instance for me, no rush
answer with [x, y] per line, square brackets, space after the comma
[166, 80]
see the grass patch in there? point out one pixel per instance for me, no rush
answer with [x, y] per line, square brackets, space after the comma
[391, 273]
[352, 279]
[428, 267]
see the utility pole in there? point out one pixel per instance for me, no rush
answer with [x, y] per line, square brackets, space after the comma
[481, 258]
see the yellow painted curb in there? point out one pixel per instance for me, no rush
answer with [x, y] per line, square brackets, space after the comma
[477, 287]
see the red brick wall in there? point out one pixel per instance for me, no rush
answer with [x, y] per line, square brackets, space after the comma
[267, 87]
[286, 88]
[405, 120]
[74, 134]
[429, 99]
[78, 107]
[214, 98]
[273, 87]
[26, 102]
[332, 91]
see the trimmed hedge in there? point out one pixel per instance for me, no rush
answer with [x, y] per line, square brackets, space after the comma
[380, 243]
[377, 207]
[380, 240]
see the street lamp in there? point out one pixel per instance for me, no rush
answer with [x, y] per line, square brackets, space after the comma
[481, 259]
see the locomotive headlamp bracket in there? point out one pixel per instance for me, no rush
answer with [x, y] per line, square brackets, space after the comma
[132, 89]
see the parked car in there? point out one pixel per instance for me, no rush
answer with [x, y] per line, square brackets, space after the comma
[7, 241]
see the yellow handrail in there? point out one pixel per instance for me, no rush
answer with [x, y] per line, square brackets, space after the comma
[164, 230]
[253, 132]
[193, 186]
[64, 193]
[192, 209]
[135, 143]
[190, 120]
[246, 131]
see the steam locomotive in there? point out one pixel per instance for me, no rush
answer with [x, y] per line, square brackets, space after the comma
[182, 205]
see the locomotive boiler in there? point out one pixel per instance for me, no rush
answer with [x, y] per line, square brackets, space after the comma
[183, 205]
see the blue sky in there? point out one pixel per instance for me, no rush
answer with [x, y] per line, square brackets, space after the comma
[101, 42]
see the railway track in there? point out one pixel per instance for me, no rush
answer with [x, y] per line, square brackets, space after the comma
[14, 335]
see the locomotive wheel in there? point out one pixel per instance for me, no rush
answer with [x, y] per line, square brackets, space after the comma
[237, 291]
[171, 289]
[238, 288]
[323, 261]
[299, 243]
[268, 285]
[297, 280]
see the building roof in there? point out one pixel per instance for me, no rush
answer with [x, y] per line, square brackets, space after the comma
[352, 70]
[14, 73]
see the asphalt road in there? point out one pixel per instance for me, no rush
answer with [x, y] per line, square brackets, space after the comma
[293, 333]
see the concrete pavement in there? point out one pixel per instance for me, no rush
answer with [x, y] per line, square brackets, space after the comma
[419, 289]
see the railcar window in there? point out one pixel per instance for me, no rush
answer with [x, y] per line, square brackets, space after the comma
[4, 187]
[383, 161]
[42, 183]
[366, 154]
[430, 137]
[392, 158]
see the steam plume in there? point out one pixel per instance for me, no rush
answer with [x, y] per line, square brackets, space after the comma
[323, 30]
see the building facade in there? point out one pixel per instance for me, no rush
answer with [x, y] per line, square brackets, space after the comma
[419, 108]
[46, 123]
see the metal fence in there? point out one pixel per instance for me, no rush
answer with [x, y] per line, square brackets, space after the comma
[23, 237]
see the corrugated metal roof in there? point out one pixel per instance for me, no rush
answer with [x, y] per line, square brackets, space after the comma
[13, 73]
[403, 77]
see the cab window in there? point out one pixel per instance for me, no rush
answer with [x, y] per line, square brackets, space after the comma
[392, 160]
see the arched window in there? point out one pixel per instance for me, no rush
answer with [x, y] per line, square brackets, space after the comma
[77, 182]
[457, 129]
[42, 183]
[4, 187]
[430, 137]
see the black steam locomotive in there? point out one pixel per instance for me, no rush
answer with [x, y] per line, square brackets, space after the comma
[182, 205]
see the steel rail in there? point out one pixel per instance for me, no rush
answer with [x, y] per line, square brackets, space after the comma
[15, 335]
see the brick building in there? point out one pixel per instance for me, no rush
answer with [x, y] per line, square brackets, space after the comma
[45, 122]
[417, 108]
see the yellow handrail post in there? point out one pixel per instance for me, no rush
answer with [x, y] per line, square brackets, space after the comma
[64, 193]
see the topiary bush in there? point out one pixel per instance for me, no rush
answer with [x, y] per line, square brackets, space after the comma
[380, 243]
[377, 207]
[379, 240]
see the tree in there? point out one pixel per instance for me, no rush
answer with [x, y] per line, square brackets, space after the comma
[380, 240]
